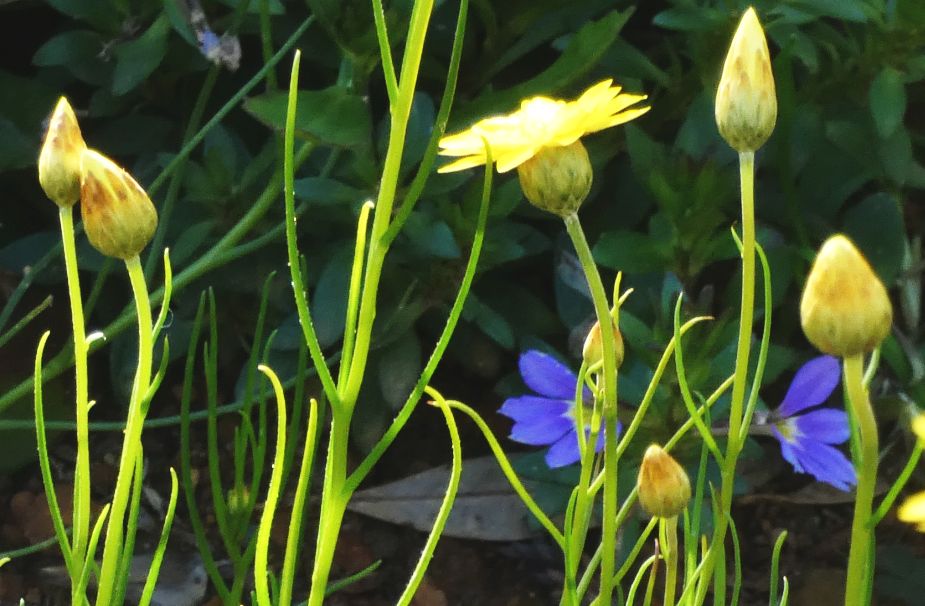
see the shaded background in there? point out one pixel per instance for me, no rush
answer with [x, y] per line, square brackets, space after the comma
[846, 156]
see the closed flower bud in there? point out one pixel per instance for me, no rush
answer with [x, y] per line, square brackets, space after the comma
[663, 487]
[118, 215]
[557, 179]
[59, 160]
[593, 350]
[845, 309]
[746, 102]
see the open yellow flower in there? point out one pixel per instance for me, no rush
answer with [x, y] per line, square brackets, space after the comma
[541, 122]
[542, 141]
[913, 509]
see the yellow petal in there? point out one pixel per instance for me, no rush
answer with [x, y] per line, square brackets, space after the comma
[918, 426]
[913, 509]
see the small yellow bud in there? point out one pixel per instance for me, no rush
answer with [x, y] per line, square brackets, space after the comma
[118, 215]
[845, 309]
[593, 350]
[663, 486]
[746, 102]
[557, 179]
[59, 160]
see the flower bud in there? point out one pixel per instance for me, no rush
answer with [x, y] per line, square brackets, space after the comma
[845, 309]
[663, 487]
[746, 102]
[118, 215]
[593, 350]
[557, 179]
[59, 160]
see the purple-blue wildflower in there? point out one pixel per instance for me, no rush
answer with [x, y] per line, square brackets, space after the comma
[548, 415]
[807, 440]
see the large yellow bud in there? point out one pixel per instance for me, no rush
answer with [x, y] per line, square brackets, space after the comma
[663, 486]
[59, 160]
[557, 179]
[845, 309]
[746, 102]
[118, 215]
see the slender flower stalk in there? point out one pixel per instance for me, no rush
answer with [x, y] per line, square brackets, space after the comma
[131, 444]
[845, 311]
[746, 111]
[609, 380]
[668, 532]
[861, 556]
[59, 176]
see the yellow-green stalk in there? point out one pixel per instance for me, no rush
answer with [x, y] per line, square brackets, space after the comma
[746, 111]
[120, 220]
[59, 176]
[845, 311]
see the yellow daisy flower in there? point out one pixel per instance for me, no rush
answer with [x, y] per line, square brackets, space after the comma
[913, 509]
[541, 122]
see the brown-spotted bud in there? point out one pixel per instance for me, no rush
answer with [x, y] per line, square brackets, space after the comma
[59, 160]
[118, 215]
[557, 179]
[663, 486]
[593, 350]
[746, 101]
[845, 309]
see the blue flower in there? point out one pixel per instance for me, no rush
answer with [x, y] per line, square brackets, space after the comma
[807, 440]
[548, 417]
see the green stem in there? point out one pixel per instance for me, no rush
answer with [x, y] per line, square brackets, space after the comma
[400, 111]
[131, 444]
[743, 348]
[740, 378]
[81, 507]
[445, 506]
[860, 557]
[602, 310]
[294, 537]
[333, 505]
[669, 532]
[261, 574]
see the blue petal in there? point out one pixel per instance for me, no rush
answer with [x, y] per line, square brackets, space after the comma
[547, 376]
[786, 449]
[811, 386]
[827, 464]
[531, 408]
[826, 425]
[544, 430]
[565, 451]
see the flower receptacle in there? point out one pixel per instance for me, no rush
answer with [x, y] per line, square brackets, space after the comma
[557, 179]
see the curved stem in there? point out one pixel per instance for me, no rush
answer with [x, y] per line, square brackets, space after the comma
[445, 506]
[131, 445]
[510, 474]
[860, 557]
[261, 574]
[81, 507]
[294, 537]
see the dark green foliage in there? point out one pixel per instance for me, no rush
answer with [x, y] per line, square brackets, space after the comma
[846, 156]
